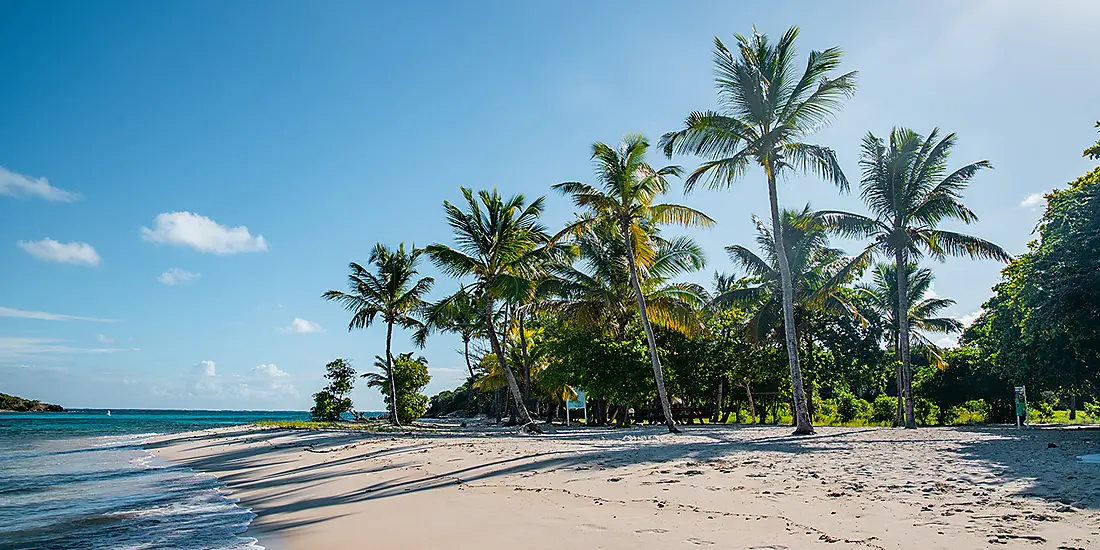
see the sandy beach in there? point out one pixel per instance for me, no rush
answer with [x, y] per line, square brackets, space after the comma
[713, 486]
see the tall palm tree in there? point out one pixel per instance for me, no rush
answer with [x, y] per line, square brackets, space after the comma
[392, 291]
[881, 297]
[502, 245]
[624, 199]
[599, 294]
[767, 109]
[908, 190]
[457, 314]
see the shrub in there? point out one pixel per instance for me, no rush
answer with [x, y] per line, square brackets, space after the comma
[926, 411]
[1041, 411]
[1092, 410]
[849, 407]
[411, 376]
[884, 408]
[332, 401]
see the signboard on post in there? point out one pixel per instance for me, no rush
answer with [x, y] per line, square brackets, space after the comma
[1021, 405]
[576, 403]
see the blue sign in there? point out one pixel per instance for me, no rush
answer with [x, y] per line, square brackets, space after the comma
[577, 403]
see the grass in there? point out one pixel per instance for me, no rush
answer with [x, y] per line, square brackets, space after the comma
[343, 426]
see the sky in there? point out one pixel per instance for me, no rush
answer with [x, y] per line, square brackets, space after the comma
[181, 181]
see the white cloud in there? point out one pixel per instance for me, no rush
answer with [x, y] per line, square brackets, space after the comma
[1034, 200]
[202, 234]
[52, 251]
[177, 276]
[104, 339]
[269, 370]
[17, 346]
[301, 326]
[18, 185]
[205, 368]
[969, 318]
[44, 316]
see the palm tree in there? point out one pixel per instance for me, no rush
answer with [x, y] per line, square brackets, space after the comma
[600, 294]
[624, 200]
[767, 109]
[908, 190]
[392, 291]
[881, 297]
[501, 243]
[458, 314]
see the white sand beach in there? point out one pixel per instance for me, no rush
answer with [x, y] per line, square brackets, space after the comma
[716, 486]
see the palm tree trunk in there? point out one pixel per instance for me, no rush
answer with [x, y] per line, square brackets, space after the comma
[903, 337]
[466, 344]
[526, 361]
[389, 373]
[657, 373]
[752, 405]
[513, 386]
[803, 424]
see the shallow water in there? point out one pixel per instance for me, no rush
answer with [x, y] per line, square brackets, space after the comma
[82, 480]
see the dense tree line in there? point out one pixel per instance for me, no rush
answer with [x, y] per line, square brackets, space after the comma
[804, 332]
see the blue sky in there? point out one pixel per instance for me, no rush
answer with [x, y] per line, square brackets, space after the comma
[294, 136]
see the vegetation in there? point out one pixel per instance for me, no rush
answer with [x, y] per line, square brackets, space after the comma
[333, 400]
[802, 333]
[18, 404]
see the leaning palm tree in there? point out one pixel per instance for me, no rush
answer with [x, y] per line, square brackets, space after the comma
[624, 200]
[391, 291]
[880, 296]
[502, 245]
[767, 109]
[909, 192]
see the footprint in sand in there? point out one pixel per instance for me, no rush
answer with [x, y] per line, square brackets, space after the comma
[700, 542]
[651, 531]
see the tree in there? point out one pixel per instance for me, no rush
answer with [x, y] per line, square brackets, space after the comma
[458, 314]
[410, 376]
[624, 200]
[333, 400]
[767, 110]
[881, 296]
[599, 294]
[392, 291]
[1093, 152]
[908, 190]
[502, 245]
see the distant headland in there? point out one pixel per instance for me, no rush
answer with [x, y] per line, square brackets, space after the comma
[11, 403]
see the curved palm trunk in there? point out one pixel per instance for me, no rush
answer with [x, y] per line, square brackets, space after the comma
[513, 386]
[903, 338]
[658, 374]
[389, 373]
[803, 424]
[466, 352]
[526, 360]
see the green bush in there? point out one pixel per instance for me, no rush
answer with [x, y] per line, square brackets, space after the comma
[411, 376]
[850, 407]
[926, 411]
[884, 408]
[332, 401]
[1041, 411]
[1092, 410]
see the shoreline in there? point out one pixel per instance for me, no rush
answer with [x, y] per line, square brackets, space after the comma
[730, 486]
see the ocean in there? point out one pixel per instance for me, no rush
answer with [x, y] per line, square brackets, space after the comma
[81, 480]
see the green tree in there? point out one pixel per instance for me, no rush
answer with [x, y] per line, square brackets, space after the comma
[768, 107]
[502, 245]
[1093, 152]
[392, 292]
[881, 296]
[409, 378]
[628, 187]
[333, 400]
[459, 314]
[909, 192]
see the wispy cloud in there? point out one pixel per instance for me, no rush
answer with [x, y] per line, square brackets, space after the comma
[263, 381]
[104, 339]
[53, 251]
[301, 326]
[13, 184]
[177, 276]
[202, 234]
[17, 346]
[969, 318]
[1034, 200]
[44, 316]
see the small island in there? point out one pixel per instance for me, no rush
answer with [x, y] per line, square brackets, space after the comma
[11, 403]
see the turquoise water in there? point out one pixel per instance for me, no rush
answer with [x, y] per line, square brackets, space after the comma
[81, 479]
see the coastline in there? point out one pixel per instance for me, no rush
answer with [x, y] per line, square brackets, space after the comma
[724, 486]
